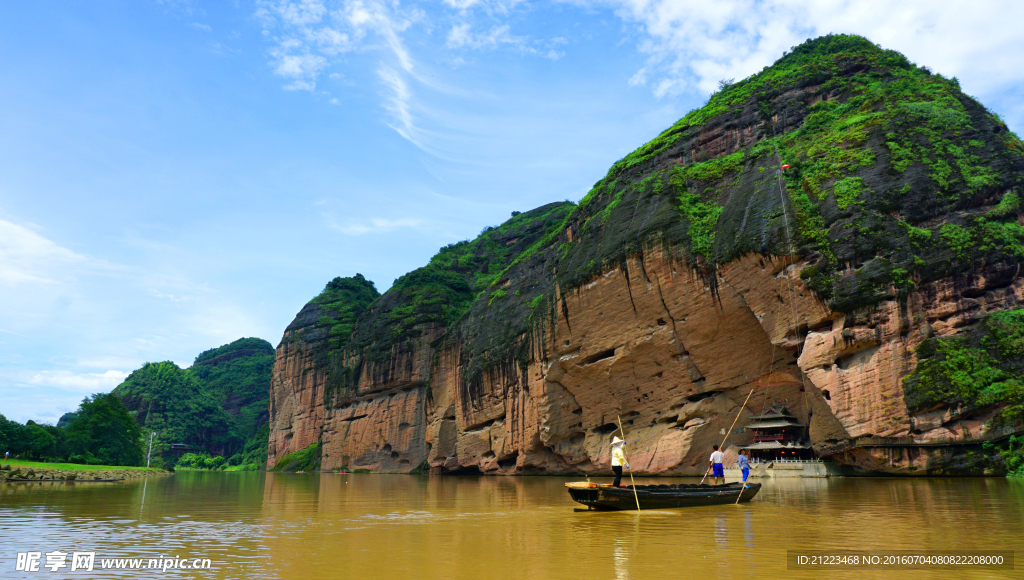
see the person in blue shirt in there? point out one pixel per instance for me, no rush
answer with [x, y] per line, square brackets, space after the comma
[744, 464]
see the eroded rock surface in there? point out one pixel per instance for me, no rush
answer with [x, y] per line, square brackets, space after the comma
[696, 273]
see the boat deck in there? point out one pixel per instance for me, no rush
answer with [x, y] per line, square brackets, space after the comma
[607, 497]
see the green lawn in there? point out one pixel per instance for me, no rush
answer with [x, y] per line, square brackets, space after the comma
[72, 466]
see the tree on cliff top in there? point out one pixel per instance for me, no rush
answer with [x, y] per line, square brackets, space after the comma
[341, 303]
[242, 346]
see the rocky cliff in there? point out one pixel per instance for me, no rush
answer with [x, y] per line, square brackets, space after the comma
[810, 234]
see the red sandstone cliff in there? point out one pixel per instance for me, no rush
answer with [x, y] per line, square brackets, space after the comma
[631, 307]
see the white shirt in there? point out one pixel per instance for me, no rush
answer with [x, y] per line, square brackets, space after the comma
[618, 455]
[717, 457]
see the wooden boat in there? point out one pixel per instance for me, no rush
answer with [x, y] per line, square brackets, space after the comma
[605, 497]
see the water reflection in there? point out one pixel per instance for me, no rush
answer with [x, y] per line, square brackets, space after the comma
[381, 527]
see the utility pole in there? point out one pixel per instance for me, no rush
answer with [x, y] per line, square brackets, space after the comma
[150, 454]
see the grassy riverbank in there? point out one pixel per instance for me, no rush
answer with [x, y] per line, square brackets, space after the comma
[20, 469]
[15, 463]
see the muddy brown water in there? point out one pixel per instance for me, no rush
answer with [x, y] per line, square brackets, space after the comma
[376, 527]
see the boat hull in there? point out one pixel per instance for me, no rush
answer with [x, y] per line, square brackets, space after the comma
[606, 497]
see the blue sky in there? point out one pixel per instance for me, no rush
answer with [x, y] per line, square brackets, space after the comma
[175, 175]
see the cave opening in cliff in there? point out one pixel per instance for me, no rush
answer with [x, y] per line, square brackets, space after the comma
[604, 354]
[466, 470]
[509, 462]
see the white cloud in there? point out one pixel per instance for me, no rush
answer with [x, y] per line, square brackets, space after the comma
[200, 26]
[692, 45]
[303, 12]
[461, 36]
[82, 382]
[26, 256]
[83, 316]
[461, 4]
[488, 6]
[397, 102]
[307, 34]
[375, 226]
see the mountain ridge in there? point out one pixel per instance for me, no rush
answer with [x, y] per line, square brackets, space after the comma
[901, 199]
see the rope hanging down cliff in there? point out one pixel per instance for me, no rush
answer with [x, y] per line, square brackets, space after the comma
[780, 167]
[796, 312]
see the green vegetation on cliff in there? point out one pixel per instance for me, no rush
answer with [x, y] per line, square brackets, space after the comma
[980, 367]
[349, 325]
[307, 459]
[878, 149]
[895, 178]
[443, 290]
[341, 302]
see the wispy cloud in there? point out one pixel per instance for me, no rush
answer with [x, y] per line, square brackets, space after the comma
[461, 35]
[54, 296]
[375, 226]
[200, 26]
[28, 257]
[397, 99]
[303, 69]
[493, 7]
[308, 34]
[82, 382]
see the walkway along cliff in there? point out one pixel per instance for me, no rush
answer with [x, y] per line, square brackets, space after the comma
[670, 291]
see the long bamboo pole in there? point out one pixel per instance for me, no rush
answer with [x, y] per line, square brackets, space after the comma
[724, 439]
[631, 480]
[743, 489]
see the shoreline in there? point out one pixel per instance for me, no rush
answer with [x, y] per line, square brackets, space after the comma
[14, 473]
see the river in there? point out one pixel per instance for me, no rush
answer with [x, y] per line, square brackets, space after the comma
[370, 527]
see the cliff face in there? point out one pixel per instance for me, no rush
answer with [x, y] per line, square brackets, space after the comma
[696, 271]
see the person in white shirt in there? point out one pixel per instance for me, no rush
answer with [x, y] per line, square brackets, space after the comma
[618, 459]
[715, 463]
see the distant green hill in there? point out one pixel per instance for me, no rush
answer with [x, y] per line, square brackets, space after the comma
[238, 377]
[217, 406]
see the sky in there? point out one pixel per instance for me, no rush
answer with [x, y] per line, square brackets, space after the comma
[178, 174]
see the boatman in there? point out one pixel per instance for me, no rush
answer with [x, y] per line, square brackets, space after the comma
[618, 459]
[717, 470]
[744, 464]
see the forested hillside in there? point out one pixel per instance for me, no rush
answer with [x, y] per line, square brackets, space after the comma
[216, 407]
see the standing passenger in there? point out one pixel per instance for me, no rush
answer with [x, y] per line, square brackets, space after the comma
[716, 465]
[618, 459]
[744, 464]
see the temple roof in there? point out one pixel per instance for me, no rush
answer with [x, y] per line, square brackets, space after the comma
[776, 445]
[774, 412]
[773, 422]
